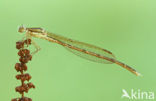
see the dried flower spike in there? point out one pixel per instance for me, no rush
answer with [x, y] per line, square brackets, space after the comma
[25, 57]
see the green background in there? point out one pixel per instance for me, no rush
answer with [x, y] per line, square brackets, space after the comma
[125, 27]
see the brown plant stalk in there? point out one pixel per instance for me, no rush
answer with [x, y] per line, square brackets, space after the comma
[21, 67]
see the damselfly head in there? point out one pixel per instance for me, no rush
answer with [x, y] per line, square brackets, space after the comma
[21, 29]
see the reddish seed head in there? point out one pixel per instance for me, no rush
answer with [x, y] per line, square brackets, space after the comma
[27, 76]
[26, 51]
[19, 89]
[24, 67]
[29, 57]
[25, 99]
[27, 41]
[18, 76]
[23, 78]
[26, 88]
[21, 53]
[23, 60]
[19, 45]
[18, 67]
[31, 85]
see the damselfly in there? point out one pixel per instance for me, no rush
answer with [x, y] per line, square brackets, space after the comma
[81, 49]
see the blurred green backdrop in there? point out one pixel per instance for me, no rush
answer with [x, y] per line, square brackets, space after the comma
[125, 27]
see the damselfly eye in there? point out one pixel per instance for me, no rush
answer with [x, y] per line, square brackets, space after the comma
[21, 29]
